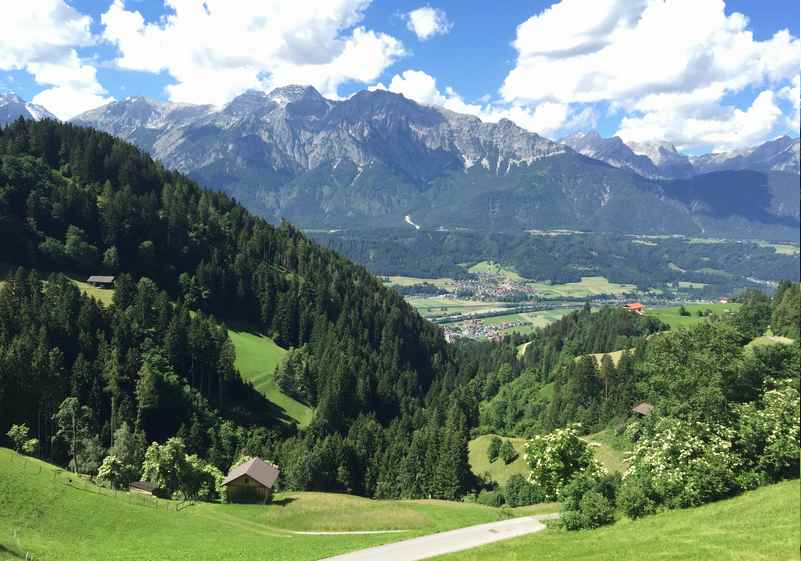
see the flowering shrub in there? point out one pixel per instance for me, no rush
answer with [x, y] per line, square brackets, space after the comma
[554, 459]
[768, 435]
[684, 463]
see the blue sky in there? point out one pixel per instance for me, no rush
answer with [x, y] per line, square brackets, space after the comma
[703, 74]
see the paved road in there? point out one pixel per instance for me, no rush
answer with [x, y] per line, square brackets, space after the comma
[449, 542]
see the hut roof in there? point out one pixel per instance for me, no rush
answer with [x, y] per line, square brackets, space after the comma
[100, 279]
[257, 469]
[143, 486]
[643, 408]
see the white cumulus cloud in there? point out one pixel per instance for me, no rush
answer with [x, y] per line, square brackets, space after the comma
[218, 48]
[543, 118]
[41, 37]
[426, 22]
[644, 56]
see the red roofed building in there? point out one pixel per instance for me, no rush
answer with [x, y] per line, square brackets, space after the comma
[636, 307]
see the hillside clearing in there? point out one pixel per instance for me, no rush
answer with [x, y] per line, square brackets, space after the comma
[45, 515]
[671, 316]
[498, 471]
[761, 525]
[257, 357]
[608, 449]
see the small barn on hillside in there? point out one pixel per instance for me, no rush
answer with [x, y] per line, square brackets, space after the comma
[100, 281]
[643, 409]
[251, 482]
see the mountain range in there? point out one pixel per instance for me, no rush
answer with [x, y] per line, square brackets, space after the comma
[12, 107]
[661, 160]
[378, 159]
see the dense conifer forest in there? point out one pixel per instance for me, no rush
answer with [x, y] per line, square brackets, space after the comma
[188, 260]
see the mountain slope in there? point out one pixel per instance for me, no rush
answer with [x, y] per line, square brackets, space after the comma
[377, 157]
[780, 155]
[12, 107]
[79, 200]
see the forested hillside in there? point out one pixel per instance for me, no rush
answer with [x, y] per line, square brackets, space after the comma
[378, 376]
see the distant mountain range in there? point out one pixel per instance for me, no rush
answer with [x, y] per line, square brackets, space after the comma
[660, 160]
[379, 159]
[12, 107]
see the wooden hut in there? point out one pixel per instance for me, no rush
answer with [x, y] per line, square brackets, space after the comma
[144, 488]
[643, 409]
[251, 482]
[101, 281]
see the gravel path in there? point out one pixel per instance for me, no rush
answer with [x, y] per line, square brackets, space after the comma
[449, 542]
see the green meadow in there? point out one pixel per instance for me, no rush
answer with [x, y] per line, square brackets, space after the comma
[57, 516]
[257, 357]
[761, 525]
[672, 317]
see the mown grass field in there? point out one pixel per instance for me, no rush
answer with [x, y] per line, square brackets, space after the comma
[257, 356]
[672, 317]
[588, 286]
[608, 448]
[762, 525]
[497, 470]
[444, 283]
[43, 515]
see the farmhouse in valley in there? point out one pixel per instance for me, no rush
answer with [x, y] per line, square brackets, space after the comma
[101, 281]
[251, 481]
[643, 409]
[635, 307]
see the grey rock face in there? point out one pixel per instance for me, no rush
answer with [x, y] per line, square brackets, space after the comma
[12, 107]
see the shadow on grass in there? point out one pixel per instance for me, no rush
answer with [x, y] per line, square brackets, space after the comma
[8, 552]
[283, 502]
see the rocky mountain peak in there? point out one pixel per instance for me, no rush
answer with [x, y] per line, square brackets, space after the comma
[12, 107]
[294, 93]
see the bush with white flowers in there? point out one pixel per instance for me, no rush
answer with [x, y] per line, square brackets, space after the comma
[554, 459]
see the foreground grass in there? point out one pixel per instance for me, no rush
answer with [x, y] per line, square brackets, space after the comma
[762, 525]
[44, 514]
[257, 356]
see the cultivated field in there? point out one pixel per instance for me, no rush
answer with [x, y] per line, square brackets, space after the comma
[762, 525]
[57, 517]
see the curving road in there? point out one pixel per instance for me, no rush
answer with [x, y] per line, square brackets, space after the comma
[449, 542]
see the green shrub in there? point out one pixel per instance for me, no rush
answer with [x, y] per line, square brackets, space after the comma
[507, 452]
[494, 449]
[636, 498]
[587, 502]
[556, 458]
[519, 492]
[491, 498]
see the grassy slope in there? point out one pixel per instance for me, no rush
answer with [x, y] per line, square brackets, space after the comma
[42, 514]
[608, 449]
[671, 316]
[497, 470]
[256, 358]
[762, 525]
